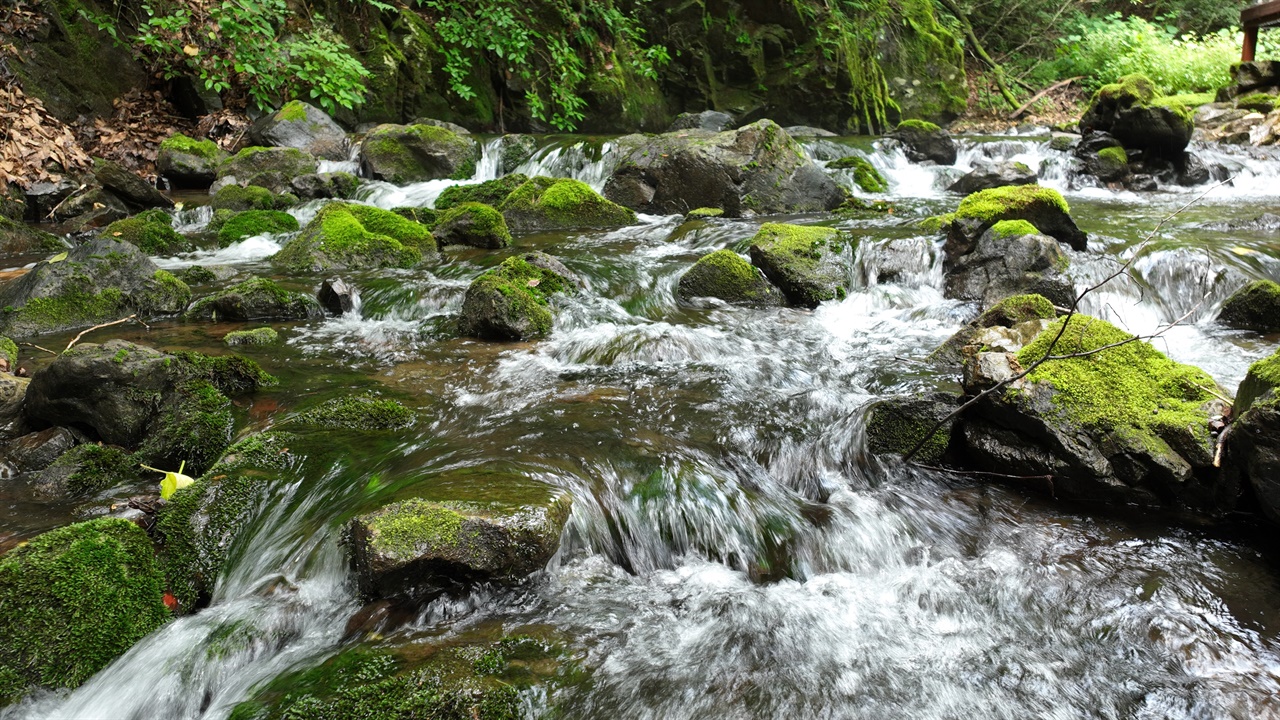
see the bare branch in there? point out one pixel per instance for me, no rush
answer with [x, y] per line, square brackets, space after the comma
[86, 331]
[45, 349]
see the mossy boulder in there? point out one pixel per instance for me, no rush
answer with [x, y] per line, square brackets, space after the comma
[152, 235]
[474, 224]
[864, 173]
[1127, 109]
[1109, 164]
[725, 275]
[273, 168]
[704, 213]
[1255, 306]
[254, 299]
[755, 169]
[97, 282]
[303, 126]
[75, 599]
[345, 236]
[255, 222]
[543, 203]
[987, 175]
[1007, 327]
[325, 185]
[489, 192]
[358, 412]
[85, 469]
[137, 193]
[922, 141]
[1251, 452]
[1045, 208]
[471, 526]
[896, 425]
[9, 353]
[514, 150]
[1258, 102]
[510, 302]
[1122, 425]
[189, 163]
[402, 154]
[251, 197]
[256, 336]
[803, 261]
[1011, 258]
[18, 238]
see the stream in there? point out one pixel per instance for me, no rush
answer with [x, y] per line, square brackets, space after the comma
[733, 552]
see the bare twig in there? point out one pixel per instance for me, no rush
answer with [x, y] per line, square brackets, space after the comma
[86, 331]
[45, 349]
[1014, 115]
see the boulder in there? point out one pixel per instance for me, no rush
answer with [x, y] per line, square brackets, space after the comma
[1130, 111]
[1255, 306]
[136, 192]
[543, 203]
[1250, 77]
[100, 281]
[895, 425]
[490, 192]
[238, 198]
[1109, 164]
[355, 237]
[474, 224]
[1251, 448]
[189, 163]
[13, 394]
[804, 131]
[454, 128]
[256, 336]
[402, 154]
[923, 141]
[86, 469]
[75, 599]
[302, 126]
[725, 275]
[255, 222]
[326, 185]
[38, 450]
[757, 168]
[151, 232]
[480, 526]
[18, 238]
[1006, 327]
[510, 301]
[712, 120]
[337, 296]
[514, 151]
[803, 261]
[1124, 425]
[864, 173]
[987, 175]
[89, 209]
[1010, 258]
[254, 299]
[1043, 207]
[273, 168]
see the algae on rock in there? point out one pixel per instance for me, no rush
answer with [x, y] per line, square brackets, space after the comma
[803, 261]
[544, 203]
[725, 275]
[345, 236]
[510, 301]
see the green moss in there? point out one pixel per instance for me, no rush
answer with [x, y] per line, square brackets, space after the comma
[166, 291]
[250, 197]
[724, 274]
[522, 291]
[253, 299]
[1018, 309]
[1263, 377]
[864, 173]
[405, 529]
[484, 226]
[179, 143]
[1002, 202]
[195, 529]
[194, 427]
[344, 235]
[1258, 102]
[895, 429]
[425, 217]
[391, 147]
[359, 412]
[1132, 390]
[1014, 228]
[255, 222]
[232, 374]
[73, 600]
[1136, 89]
[197, 275]
[552, 203]
[919, 125]
[97, 467]
[156, 215]
[1255, 306]
[490, 192]
[256, 336]
[150, 235]
[9, 351]
[1188, 100]
[1114, 155]
[704, 212]
[75, 307]
[293, 111]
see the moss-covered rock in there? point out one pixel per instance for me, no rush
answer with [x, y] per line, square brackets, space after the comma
[490, 192]
[358, 412]
[466, 527]
[1112, 164]
[194, 426]
[510, 301]
[254, 299]
[87, 468]
[1045, 208]
[150, 234]
[303, 126]
[474, 224]
[1255, 306]
[704, 213]
[1257, 102]
[252, 197]
[1020, 319]
[255, 222]
[725, 275]
[425, 217]
[543, 203]
[1251, 452]
[1010, 258]
[197, 275]
[803, 261]
[514, 150]
[895, 425]
[1127, 110]
[189, 163]
[987, 175]
[74, 599]
[326, 185]
[345, 236]
[864, 173]
[273, 168]
[923, 141]
[97, 282]
[404, 154]
[18, 238]
[256, 336]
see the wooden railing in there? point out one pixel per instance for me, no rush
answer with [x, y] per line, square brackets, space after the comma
[1254, 18]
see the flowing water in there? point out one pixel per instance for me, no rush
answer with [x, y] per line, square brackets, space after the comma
[733, 552]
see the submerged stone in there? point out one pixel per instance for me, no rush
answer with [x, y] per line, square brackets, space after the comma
[254, 299]
[725, 275]
[358, 412]
[18, 238]
[802, 260]
[895, 425]
[256, 336]
[346, 236]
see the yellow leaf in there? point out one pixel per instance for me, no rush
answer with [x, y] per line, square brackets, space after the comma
[173, 481]
[58, 258]
[191, 50]
[1241, 250]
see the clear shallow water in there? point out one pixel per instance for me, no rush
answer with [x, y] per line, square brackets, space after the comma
[732, 553]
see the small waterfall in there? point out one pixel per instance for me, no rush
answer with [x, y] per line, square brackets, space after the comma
[585, 161]
[424, 194]
[192, 219]
[350, 165]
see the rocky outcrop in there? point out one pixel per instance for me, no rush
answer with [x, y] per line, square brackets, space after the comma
[510, 301]
[1010, 257]
[1255, 306]
[1251, 452]
[302, 126]
[273, 168]
[355, 237]
[724, 275]
[1130, 111]
[254, 299]
[756, 169]
[474, 224]
[988, 175]
[923, 141]
[803, 261]
[544, 203]
[404, 154]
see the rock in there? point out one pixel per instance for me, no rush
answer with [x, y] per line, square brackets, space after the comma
[325, 185]
[127, 186]
[803, 261]
[1044, 208]
[895, 425]
[1125, 425]
[490, 192]
[804, 131]
[864, 173]
[42, 197]
[1021, 317]
[544, 203]
[151, 232]
[189, 163]
[444, 124]
[90, 209]
[13, 393]
[235, 197]
[86, 469]
[256, 336]
[273, 168]
[475, 527]
[254, 299]
[1110, 164]
[989, 175]
[201, 275]
[725, 275]
[358, 412]
[510, 301]
[925, 142]
[38, 450]
[355, 237]
[255, 222]
[1262, 103]
[337, 296]
[1142, 183]
[706, 120]
[757, 168]
[1251, 448]
[403, 154]
[1193, 171]
[17, 238]
[302, 126]
[1251, 76]
[1129, 110]
[1255, 306]
[514, 151]
[75, 599]
[100, 281]
[474, 224]
[1010, 258]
